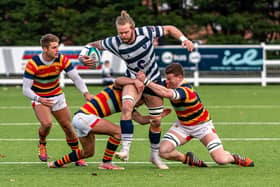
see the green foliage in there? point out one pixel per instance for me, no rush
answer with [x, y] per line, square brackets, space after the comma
[82, 21]
[226, 39]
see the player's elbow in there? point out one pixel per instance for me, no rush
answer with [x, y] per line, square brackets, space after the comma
[168, 29]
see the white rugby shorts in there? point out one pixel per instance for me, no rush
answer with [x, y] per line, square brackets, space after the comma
[59, 102]
[196, 131]
[83, 123]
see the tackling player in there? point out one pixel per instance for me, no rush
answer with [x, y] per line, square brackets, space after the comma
[88, 122]
[193, 121]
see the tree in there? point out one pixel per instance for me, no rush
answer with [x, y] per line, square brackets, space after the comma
[78, 22]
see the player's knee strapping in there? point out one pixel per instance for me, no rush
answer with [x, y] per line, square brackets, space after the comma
[172, 139]
[214, 144]
[128, 98]
[155, 114]
[155, 111]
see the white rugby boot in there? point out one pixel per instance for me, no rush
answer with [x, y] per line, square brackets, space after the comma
[122, 155]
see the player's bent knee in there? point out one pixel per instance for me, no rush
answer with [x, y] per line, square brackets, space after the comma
[164, 151]
[163, 155]
[168, 144]
[46, 125]
[172, 139]
[220, 158]
[214, 145]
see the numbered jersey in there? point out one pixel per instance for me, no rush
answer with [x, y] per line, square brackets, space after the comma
[140, 55]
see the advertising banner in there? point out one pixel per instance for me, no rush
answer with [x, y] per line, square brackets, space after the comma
[231, 59]
[213, 58]
[203, 58]
[167, 55]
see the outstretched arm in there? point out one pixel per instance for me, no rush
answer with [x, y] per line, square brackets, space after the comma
[158, 89]
[161, 90]
[176, 33]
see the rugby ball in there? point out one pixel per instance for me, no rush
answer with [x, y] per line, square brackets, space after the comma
[94, 54]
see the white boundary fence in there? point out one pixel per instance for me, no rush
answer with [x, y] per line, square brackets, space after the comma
[264, 78]
[13, 60]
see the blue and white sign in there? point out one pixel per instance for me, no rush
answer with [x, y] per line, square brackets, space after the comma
[167, 55]
[213, 58]
[231, 59]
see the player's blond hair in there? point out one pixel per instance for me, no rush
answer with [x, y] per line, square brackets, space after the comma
[124, 18]
[47, 39]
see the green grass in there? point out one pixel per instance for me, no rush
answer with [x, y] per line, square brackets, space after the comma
[246, 118]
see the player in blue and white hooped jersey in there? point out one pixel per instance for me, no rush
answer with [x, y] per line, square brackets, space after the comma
[135, 46]
[140, 55]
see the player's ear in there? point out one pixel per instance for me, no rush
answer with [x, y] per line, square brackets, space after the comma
[45, 49]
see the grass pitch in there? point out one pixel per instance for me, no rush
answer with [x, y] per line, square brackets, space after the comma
[246, 118]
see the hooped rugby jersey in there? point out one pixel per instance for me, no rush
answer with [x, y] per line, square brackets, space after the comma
[105, 103]
[140, 55]
[46, 77]
[189, 108]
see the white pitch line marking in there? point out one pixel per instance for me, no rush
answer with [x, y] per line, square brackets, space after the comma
[254, 123]
[135, 139]
[136, 162]
[207, 106]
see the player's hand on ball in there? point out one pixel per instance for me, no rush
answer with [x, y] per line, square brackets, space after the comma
[86, 60]
[90, 57]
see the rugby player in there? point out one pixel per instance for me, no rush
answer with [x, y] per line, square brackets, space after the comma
[135, 46]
